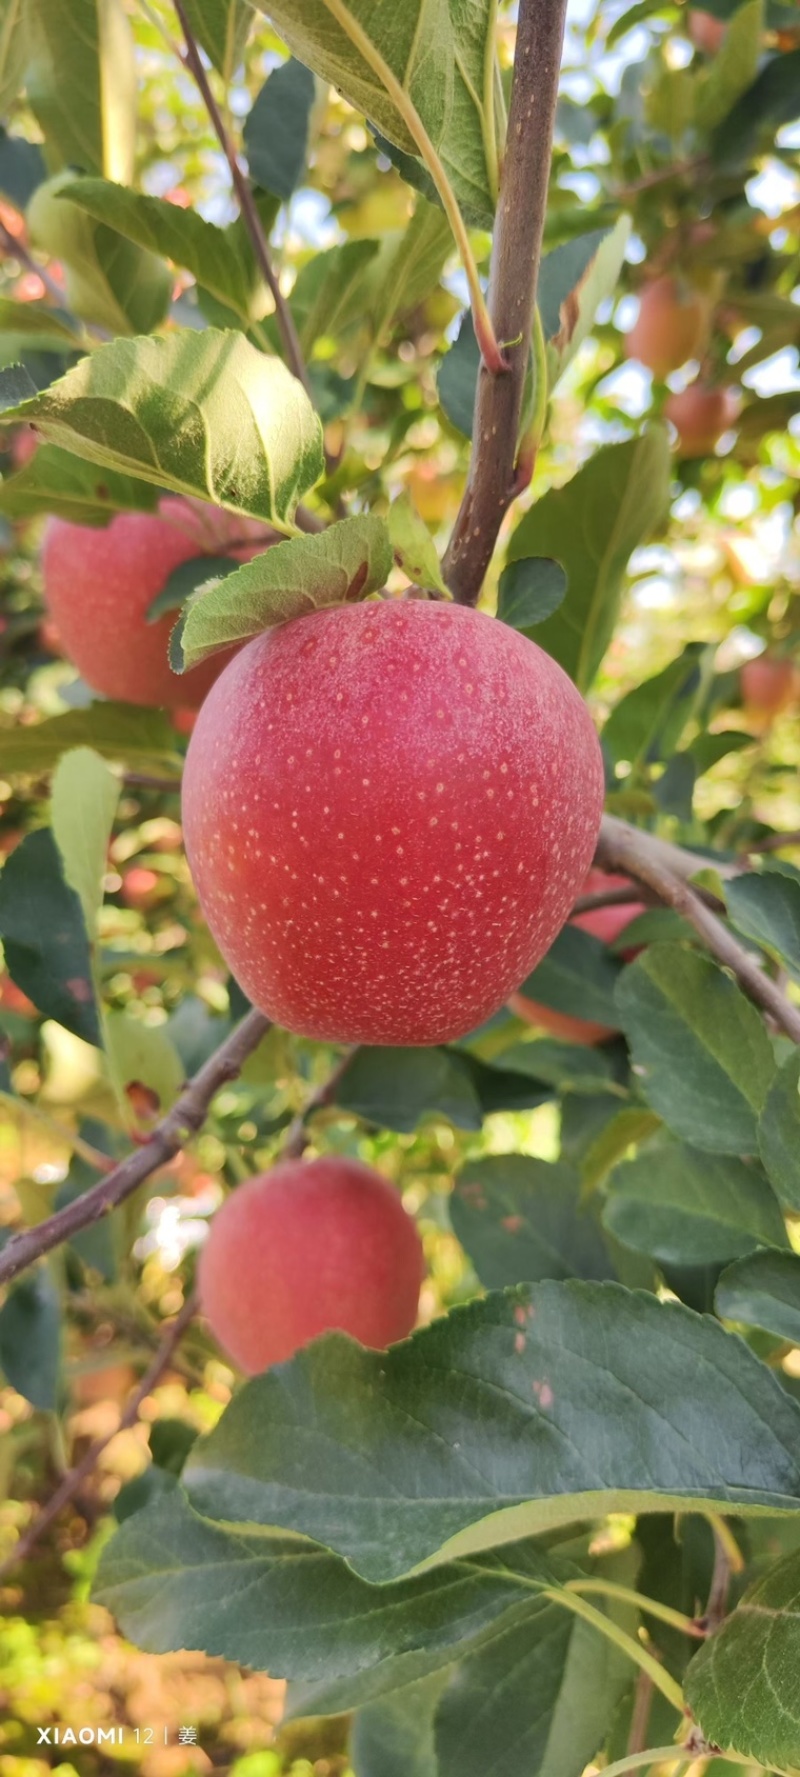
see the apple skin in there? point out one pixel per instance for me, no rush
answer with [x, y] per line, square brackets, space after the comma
[670, 327]
[706, 32]
[99, 585]
[388, 809]
[700, 415]
[605, 923]
[768, 686]
[311, 1246]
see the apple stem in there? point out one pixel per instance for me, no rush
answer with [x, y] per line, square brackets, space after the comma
[493, 482]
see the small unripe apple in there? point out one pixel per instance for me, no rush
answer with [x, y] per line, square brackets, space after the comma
[99, 585]
[12, 998]
[700, 415]
[670, 327]
[307, 1248]
[706, 32]
[768, 687]
[140, 887]
[388, 809]
[605, 923]
[24, 445]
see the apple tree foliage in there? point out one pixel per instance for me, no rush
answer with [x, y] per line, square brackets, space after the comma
[561, 1523]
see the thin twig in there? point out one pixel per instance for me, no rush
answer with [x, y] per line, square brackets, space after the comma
[297, 1136]
[774, 842]
[679, 169]
[493, 479]
[72, 1482]
[13, 248]
[640, 1717]
[193, 63]
[186, 1116]
[640, 855]
[139, 780]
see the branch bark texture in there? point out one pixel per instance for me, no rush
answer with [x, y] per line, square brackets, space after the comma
[494, 475]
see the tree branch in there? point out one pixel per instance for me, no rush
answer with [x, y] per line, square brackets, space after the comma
[187, 1116]
[297, 1137]
[71, 1483]
[650, 860]
[193, 62]
[493, 479]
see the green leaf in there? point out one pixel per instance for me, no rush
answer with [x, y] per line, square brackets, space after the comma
[519, 1218]
[409, 266]
[458, 375]
[763, 1291]
[38, 320]
[578, 976]
[109, 281]
[708, 749]
[335, 567]
[85, 795]
[592, 525]
[276, 129]
[396, 1088]
[767, 908]
[569, 1066]
[329, 293]
[55, 481]
[413, 545]
[574, 280]
[742, 1685]
[628, 1129]
[394, 1738]
[779, 1134]
[467, 1435]
[734, 67]
[196, 413]
[648, 722]
[16, 384]
[700, 1049]
[142, 1054]
[216, 258]
[221, 28]
[30, 1340]
[117, 730]
[683, 1207]
[44, 936]
[189, 578]
[81, 83]
[530, 590]
[22, 168]
[546, 1688]
[95, 1244]
[770, 102]
[436, 61]
[13, 50]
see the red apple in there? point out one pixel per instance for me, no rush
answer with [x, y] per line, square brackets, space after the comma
[605, 923]
[700, 415]
[706, 32]
[388, 809]
[13, 999]
[306, 1248]
[99, 585]
[768, 687]
[140, 887]
[670, 327]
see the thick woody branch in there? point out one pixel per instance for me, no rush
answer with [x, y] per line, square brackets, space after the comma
[72, 1482]
[193, 62]
[652, 861]
[184, 1120]
[495, 476]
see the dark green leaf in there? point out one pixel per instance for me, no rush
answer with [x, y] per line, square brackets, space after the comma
[22, 168]
[648, 722]
[779, 1134]
[30, 1339]
[395, 1088]
[733, 69]
[94, 1244]
[572, 1067]
[683, 1207]
[574, 280]
[592, 525]
[700, 1049]
[221, 28]
[763, 1291]
[500, 1089]
[187, 579]
[55, 481]
[502, 1407]
[767, 908]
[771, 101]
[15, 386]
[458, 377]
[109, 280]
[81, 84]
[117, 730]
[520, 1219]
[197, 413]
[394, 1738]
[208, 252]
[330, 291]
[44, 936]
[276, 130]
[334, 567]
[438, 60]
[707, 749]
[530, 590]
[742, 1685]
[578, 976]
[40, 322]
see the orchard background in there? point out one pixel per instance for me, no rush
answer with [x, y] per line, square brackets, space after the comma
[557, 1531]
